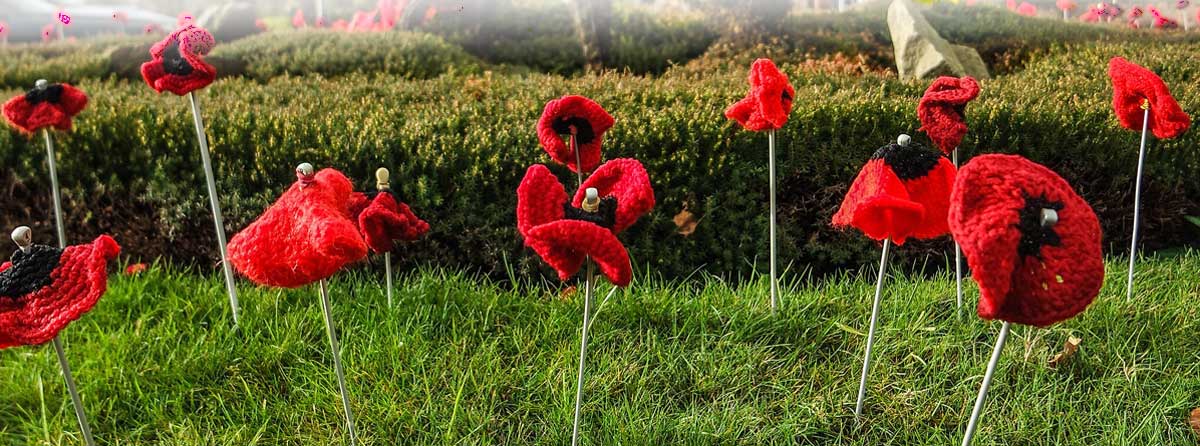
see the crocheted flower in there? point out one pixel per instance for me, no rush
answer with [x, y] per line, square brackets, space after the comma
[177, 65]
[53, 106]
[941, 110]
[1028, 272]
[1066, 5]
[47, 288]
[1182, 4]
[1135, 12]
[902, 192]
[769, 102]
[1027, 9]
[1134, 87]
[382, 219]
[564, 235]
[305, 236]
[576, 115]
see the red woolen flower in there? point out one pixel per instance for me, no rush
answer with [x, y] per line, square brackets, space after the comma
[305, 236]
[1135, 87]
[581, 116]
[383, 219]
[902, 192]
[47, 288]
[1028, 273]
[941, 110]
[1065, 5]
[177, 65]
[769, 102]
[564, 235]
[53, 106]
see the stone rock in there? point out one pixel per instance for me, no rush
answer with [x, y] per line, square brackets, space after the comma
[971, 62]
[921, 52]
[230, 21]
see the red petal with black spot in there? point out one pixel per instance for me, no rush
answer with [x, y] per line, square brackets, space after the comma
[177, 65]
[769, 102]
[576, 114]
[37, 109]
[565, 243]
[941, 110]
[385, 220]
[43, 291]
[305, 236]
[1133, 86]
[902, 192]
[540, 199]
[1027, 273]
[626, 181]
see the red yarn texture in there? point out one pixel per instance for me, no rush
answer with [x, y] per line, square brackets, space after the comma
[769, 102]
[77, 283]
[1052, 281]
[1133, 84]
[941, 110]
[883, 205]
[305, 236]
[589, 121]
[22, 113]
[565, 243]
[385, 220]
[193, 42]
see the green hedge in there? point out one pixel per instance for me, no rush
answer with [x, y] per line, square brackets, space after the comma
[458, 146]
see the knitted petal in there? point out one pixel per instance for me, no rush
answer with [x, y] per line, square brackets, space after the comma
[1133, 85]
[183, 50]
[878, 205]
[586, 118]
[564, 245]
[932, 192]
[626, 180]
[385, 220]
[941, 110]
[540, 199]
[37, 109]
[769, 102]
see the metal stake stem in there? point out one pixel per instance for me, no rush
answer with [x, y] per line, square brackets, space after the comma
[958, 274]
[862, 382]
[774, 249]
[71, 389]
[387, 268]
[583, 343]
[977, 412]
[230, 288]
[1137, 203]
[337, 359]
[54, 190]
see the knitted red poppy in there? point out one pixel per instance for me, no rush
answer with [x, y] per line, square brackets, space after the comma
[177, 65]
[53, 106]
[769, 102]
[47, 288]
[564, 235]
[581, 116]
[1028, 273]
[902, 192]
[1132, 87]
[385, 220]
[305, 236]
[941, 110]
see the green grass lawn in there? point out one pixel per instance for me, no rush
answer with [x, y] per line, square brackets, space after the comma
[463, 361]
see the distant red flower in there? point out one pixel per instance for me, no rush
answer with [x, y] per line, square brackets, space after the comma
[177, 65]
[941, 110]
[48, 32]
[1092, 15]
[1027, 9]
[1164, 22]
[1066, 5]
[47, 288]
[1011, 5]
[53, 106]
[769, 102]
[184, 19]
[1028, 273]
[260, 24]
[151, 28]
[1182, 4]
[1135, 86]
[1135, 12]
[135, 269]
[576, 115]
[564, 235]
[3, 30]
[383, 220]
[120, 16]
[298, 19]
[902, 192]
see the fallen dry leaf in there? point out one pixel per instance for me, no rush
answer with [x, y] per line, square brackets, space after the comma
[1194, 420]
[567, 292]
[1069, 349]
[686, 221]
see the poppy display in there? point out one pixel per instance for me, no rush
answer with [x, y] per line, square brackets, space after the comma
[903, 191]
[52, 105]
[941, 110]
[177, 63]
[1029, 271]
[769, 102]
[578, 116]
[382, 220]
[307, 235]
[1134, 88]
[45, 289]
[564, 234]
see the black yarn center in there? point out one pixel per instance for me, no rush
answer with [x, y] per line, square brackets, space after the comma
[29, 271]
[51, 94]
[605, 216]
[909, 162]
[1033, 235]
[583, 128]
[174, 63]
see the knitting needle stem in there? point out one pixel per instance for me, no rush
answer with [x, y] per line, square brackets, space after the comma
[1137, 205]
[583, 344]
[977, 412]
[71, 389]
[387, 268]
[56, 196]
[958, 274]
[337, 360]
[774, 247]
[862, 381]
[216, 204]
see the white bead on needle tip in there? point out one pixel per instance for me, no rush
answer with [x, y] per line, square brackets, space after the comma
[23, 237]
[304, 173]
[41, 84]
[903, 140]
[382, 179]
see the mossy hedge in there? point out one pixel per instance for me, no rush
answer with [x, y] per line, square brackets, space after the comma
[459, 144]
